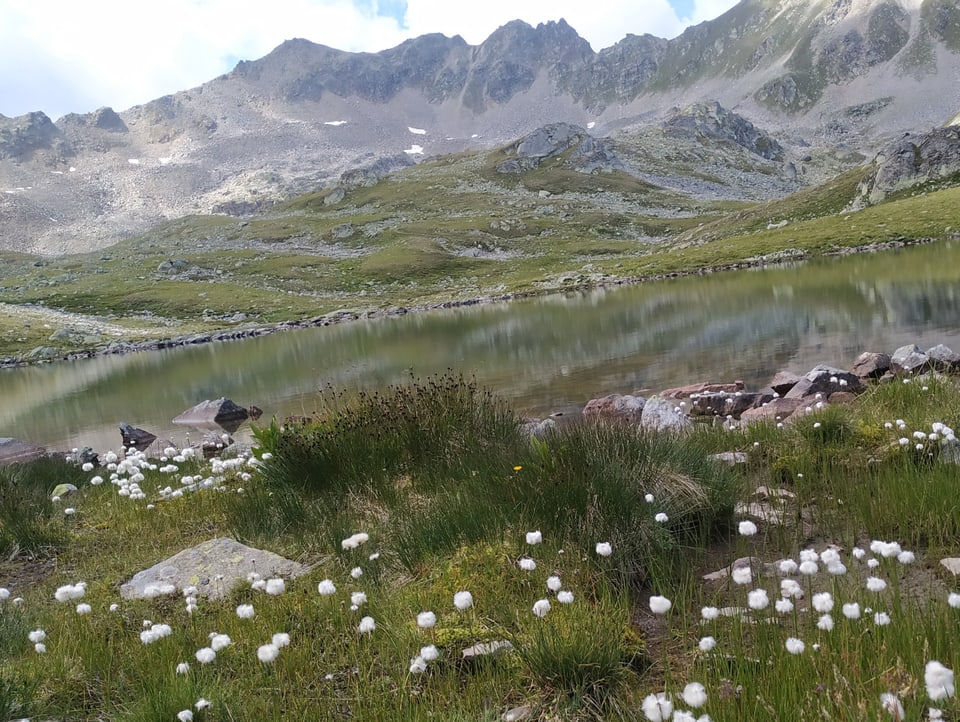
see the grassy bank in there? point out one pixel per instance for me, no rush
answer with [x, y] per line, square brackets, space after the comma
[438, 233]
[584, 548]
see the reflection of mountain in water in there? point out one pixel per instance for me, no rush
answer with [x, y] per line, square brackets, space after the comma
[545, 353]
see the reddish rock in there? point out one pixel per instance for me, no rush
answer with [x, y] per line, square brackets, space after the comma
[773, 410]
[616, 407]
[839, 398]
[685, 392]
[870, 365]
[784, 381]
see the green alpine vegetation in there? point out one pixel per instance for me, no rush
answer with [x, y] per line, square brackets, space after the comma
[431, 521]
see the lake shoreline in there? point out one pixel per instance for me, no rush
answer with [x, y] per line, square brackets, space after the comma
[771, 260]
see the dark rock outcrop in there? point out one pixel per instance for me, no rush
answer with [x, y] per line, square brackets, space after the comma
[136, 438]
[22, 136]
[587, 154]
[712, 120]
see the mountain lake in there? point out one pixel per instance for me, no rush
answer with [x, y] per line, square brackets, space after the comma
[544, 355]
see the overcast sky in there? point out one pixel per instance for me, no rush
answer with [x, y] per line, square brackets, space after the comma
[63, 56]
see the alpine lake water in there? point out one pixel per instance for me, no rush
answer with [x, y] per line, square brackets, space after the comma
[544, 355]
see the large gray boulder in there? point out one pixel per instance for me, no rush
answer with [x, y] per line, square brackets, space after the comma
[943, 358]
[909, 359]
[661, 415]
[220, 412]
[616, 407]
[870, 365]
[213, 567]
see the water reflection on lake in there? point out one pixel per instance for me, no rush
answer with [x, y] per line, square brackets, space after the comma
[546, 354]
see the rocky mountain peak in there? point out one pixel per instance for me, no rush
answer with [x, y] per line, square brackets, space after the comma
[21, 136]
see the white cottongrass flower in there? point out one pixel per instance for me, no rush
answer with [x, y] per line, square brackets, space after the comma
[795, 646]
[657, 707]
[541, 607]
[554, 584]
[418, 665]
[709, 613]
[660, 605]
[747, 528]
[40, 648]
[220, 641]
[809, 555]
[37, 635]
[873, 563]
[851, 611]
[757, 599]
[245, 611]
[661, 518]
[69, 511]
[825, 623]
[326, 588]
[201, 703]
[881, 619]
[70, 591]
[463, 600]
[876, 584]
[276, 586]
[356, 572]
[534, 537]
[373, 557]
[682, 715]
[648, 498]
[205, 655]
[837, 569]
[430, 652]
[114, 607]
[788, 567]
[267, 653]
[87, 466]
[953, 599]
[783, 606]
[891, 704]
[280, 639]
[707, 644]
[829, 556]
[808, 568]
[4, 594]
[604, 549]
[426, 620]
[695, 694]
[185, 715]
[355, 540]
[84, 608]
[885, 549]
[823, 602]
[906, 557]
[358, 598]
[742, 575]
[527, 564]
[858, 553]
[565, 597]
[939, 681]
[183, 668]
[366, 626]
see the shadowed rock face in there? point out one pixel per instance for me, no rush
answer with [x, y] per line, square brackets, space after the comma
[914, 159]
[712, 120]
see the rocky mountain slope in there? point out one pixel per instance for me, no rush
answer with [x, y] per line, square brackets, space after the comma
[817, 85]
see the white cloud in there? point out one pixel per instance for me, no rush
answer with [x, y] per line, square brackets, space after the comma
[83, 55]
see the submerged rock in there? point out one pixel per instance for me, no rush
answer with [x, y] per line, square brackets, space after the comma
[219, 412]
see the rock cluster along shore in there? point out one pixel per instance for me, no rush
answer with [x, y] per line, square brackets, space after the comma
[788, 393]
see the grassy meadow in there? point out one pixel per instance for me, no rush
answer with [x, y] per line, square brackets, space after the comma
[431, 521]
